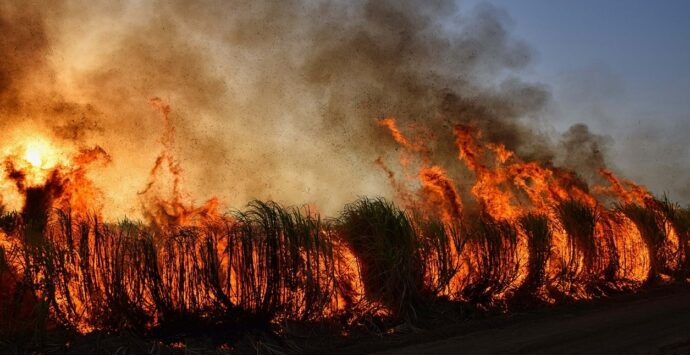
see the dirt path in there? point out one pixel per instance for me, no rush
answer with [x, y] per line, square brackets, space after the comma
[651, 324]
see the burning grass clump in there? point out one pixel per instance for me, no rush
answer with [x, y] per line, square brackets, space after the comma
[610, 256]
[439, 246]
[539, 244]
[17, 299]
[386, 246]
[493, 259]
[653, 234]
[592, 257]
[679, 218]
[579, 222]
[279, 263]
[92, 275]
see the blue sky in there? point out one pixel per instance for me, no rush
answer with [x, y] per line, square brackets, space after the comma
[622, 67]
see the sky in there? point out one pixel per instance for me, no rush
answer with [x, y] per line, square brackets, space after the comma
[623, 68]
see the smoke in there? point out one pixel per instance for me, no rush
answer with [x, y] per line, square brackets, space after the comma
[584, 151]
[657, 154]
[272, 100]
[24, 50]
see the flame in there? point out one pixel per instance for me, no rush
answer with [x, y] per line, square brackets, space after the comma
[485, 255]
[41, 154]
[441, 192]
[170, 208]
[506, 188]
[35, 156]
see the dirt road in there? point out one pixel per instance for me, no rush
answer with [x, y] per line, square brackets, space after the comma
[657, 323]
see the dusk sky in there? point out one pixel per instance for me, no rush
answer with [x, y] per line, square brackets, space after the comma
[623, 68]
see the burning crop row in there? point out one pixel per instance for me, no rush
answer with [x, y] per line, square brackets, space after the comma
[529, 233]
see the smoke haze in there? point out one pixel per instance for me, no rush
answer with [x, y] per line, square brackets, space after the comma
[273, 100]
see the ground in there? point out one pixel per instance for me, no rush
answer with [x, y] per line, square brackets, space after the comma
[651, 321]
[655, 321]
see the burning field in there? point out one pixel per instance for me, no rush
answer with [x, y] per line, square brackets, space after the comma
[118, 119]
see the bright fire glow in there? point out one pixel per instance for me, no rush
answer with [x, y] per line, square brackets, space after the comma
[40, 154]
[34, 157]
[39, 157]
[570, 241]
[28, 159]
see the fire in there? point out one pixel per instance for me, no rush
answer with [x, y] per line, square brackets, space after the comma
[41, 153]
[475, 218]
[170, 208]
[519, 228]
[506, 188]
[36, 156]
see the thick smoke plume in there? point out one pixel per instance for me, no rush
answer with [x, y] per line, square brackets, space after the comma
[271, 99]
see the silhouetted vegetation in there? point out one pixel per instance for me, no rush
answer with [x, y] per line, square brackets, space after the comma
[539, 244]
[268, 264]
